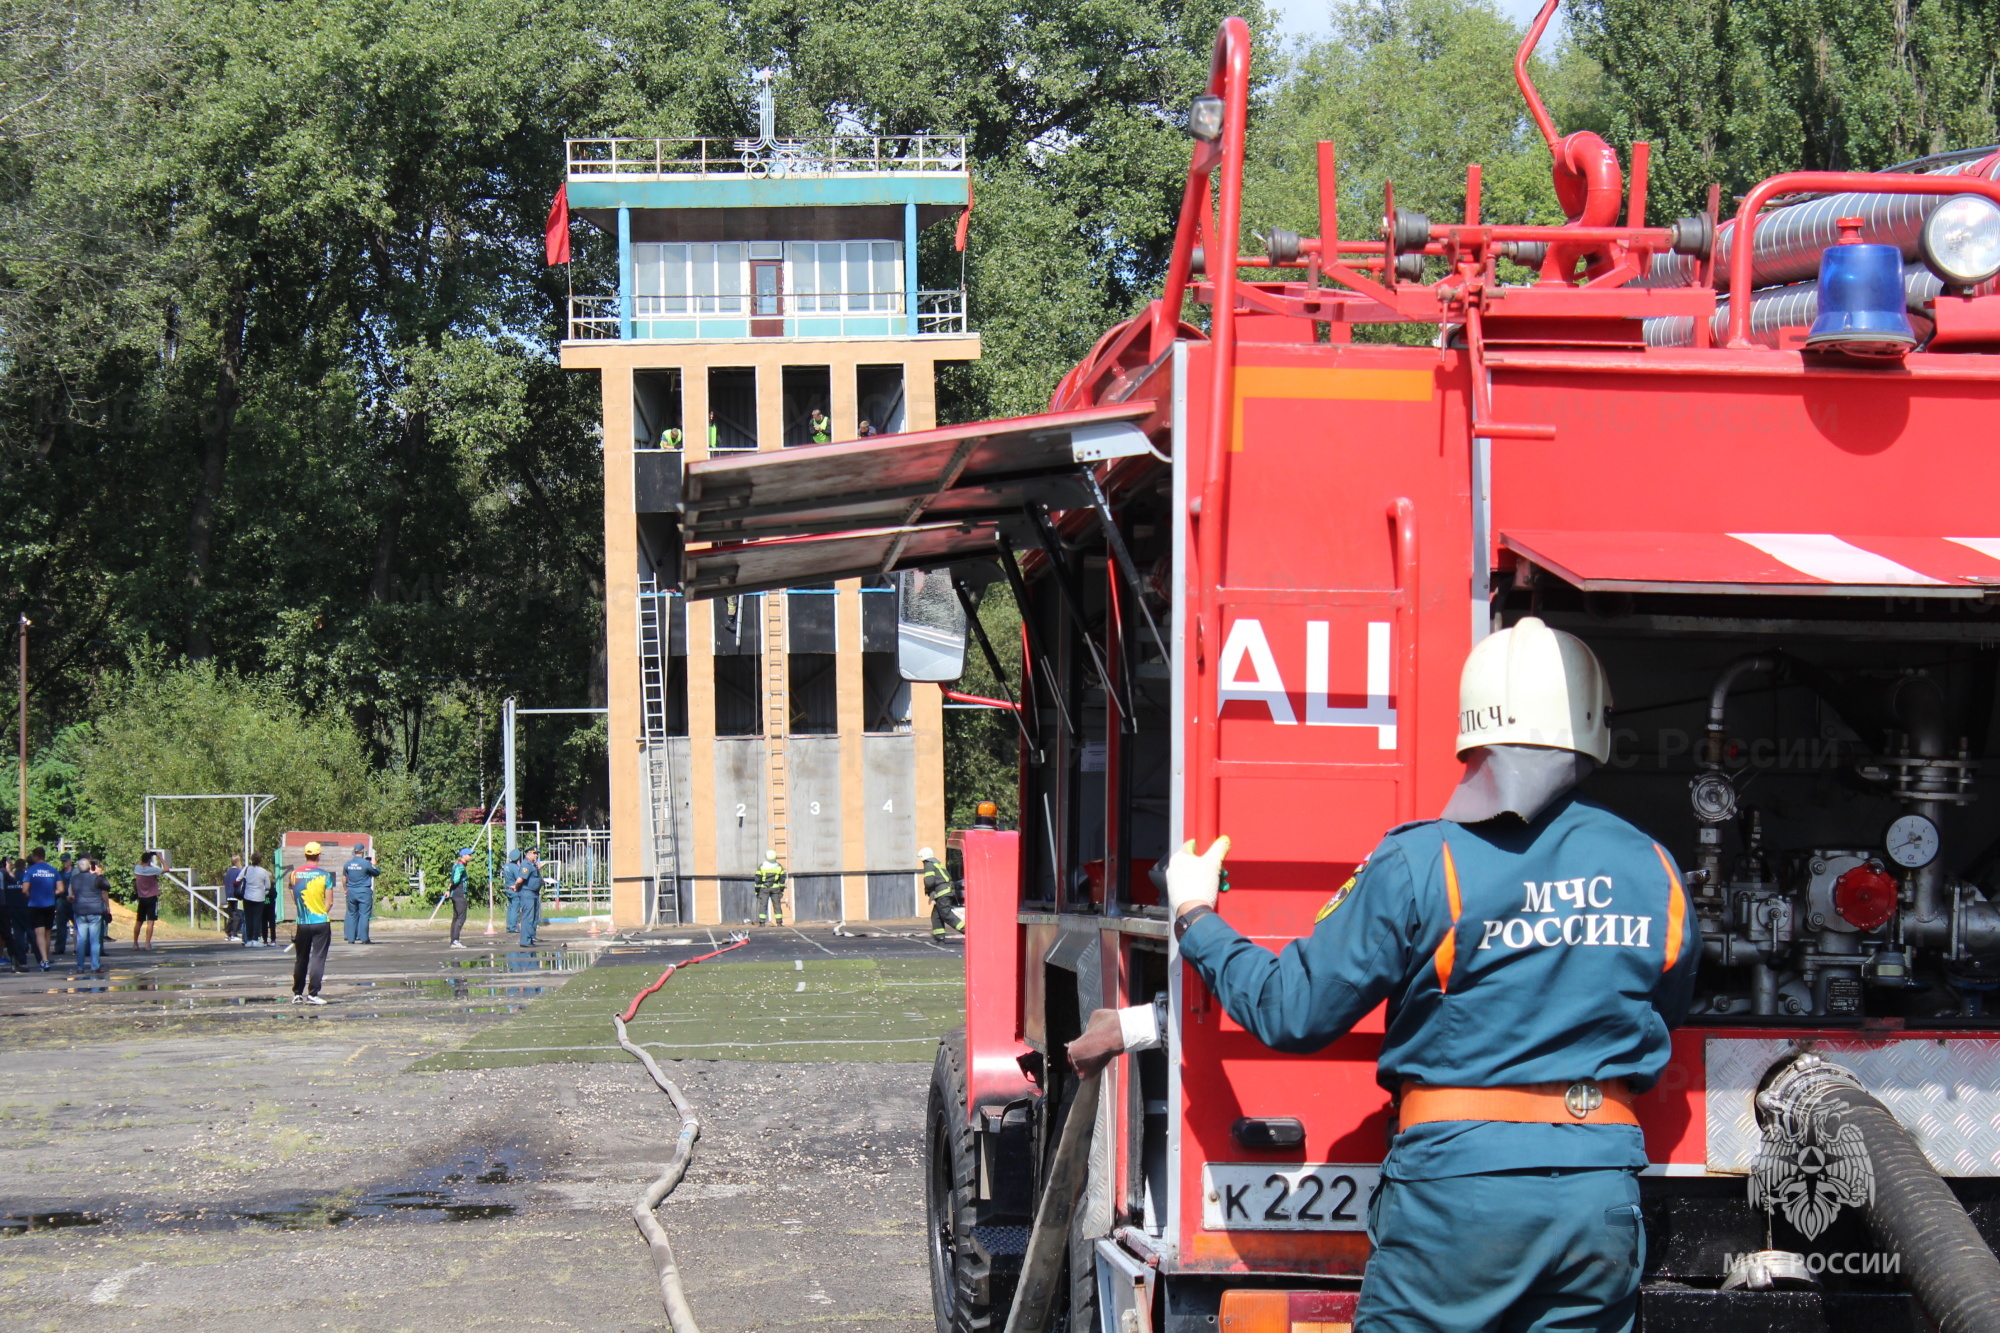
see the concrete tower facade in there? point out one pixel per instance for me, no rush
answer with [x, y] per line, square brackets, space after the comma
[767, 298]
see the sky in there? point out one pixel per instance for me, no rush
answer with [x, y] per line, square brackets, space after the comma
[1308, 18]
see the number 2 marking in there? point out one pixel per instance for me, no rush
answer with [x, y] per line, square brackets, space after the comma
[739, 809]
[1305, 1213]
[1274, 1213]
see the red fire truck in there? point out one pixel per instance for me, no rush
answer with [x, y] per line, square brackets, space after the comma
[1251, 559]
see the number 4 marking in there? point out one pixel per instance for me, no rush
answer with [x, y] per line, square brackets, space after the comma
[890, 805]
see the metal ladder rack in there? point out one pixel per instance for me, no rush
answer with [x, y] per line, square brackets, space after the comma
[662, 843]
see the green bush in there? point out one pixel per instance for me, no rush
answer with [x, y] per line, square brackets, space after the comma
[198, 730]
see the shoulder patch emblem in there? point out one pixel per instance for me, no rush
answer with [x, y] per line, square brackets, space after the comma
[1340, 894]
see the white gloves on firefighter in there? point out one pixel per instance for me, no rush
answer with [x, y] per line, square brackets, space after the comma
[1195, 879]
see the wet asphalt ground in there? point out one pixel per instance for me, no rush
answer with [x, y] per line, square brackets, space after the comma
[182, 1149]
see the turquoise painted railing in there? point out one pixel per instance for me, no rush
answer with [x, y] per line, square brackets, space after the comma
[600, 319]
[827, 155]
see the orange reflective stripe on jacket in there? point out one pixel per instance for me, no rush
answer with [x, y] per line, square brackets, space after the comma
[1447, 950]
[1676, 910]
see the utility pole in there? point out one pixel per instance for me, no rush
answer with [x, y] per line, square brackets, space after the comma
[23, 683]
[506, 764]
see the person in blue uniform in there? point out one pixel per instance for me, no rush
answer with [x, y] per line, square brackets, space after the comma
[1535, 950]
[359, 875]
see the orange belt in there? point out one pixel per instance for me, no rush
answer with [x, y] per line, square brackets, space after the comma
[1584, 1102]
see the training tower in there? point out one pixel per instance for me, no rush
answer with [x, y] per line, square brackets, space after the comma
[761, 283]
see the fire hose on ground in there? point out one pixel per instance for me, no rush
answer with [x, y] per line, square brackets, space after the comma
[671, 1295]
[1952, 1272]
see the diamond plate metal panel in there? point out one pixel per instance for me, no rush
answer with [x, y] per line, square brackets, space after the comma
[1946, 1092]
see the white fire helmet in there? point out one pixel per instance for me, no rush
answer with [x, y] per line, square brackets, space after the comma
[770, 853]
[923, 854]
[1532, 685]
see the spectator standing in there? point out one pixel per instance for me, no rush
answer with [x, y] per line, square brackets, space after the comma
[461, 876]
[360, 873]
[65, 913]
[41, 882]
[146, 887]
[866, 429]
[531, 895]
[232, 895]
[14, 913]
[822, 429]
[255, 886]
[90, 903]
[312, 894]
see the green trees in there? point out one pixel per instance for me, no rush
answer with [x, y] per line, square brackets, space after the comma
[196, 729]
[1736, 90]
[279, 389]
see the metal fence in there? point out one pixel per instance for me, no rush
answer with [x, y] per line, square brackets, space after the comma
[823, 155]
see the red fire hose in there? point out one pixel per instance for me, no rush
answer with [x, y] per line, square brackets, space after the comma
[632, 1010]
[675, 1300]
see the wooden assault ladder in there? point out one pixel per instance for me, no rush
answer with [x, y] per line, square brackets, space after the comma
[777, 726]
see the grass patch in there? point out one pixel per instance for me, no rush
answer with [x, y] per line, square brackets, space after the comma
[876, 1010]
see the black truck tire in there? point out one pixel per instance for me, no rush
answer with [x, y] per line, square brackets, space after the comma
[962, 1293]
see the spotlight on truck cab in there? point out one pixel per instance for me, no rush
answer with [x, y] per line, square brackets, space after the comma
[1961, 240]
[1205, 118]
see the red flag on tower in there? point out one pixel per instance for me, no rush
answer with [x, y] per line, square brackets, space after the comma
[557, 231]
[965, 218]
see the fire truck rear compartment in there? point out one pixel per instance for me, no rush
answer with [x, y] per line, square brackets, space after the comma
[1839, 720]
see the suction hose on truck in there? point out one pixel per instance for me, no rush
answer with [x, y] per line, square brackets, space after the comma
[678, 1313]
[1914, 1213]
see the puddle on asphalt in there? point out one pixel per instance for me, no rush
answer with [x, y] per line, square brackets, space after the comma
[467, 1189]
[15, 1223]
[523, 960]
[465, 988]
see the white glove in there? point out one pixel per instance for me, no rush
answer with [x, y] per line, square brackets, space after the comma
[1195, 879]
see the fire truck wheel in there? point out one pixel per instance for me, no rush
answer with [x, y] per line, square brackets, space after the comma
[961, 1288]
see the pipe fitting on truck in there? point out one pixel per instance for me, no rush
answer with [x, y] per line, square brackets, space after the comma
[1810, 1105]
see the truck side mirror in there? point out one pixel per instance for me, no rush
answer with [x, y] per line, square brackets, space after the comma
[930, 626]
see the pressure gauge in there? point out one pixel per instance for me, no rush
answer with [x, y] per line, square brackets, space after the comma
[1912, 842]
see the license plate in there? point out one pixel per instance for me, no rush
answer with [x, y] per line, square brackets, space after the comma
[1267, 1196]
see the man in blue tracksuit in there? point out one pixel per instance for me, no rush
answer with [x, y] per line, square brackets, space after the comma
[359, 875]
[1534, 950]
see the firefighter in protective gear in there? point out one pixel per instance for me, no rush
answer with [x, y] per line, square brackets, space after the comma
[1535, 950]
[769, 886]
[944, 896]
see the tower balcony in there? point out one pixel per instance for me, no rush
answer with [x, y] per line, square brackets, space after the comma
[766, 159]
[714, 318]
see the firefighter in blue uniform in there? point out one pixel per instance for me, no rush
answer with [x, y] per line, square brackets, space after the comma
[1534, 950]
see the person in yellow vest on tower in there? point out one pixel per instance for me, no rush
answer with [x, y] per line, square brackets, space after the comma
[822, 429]
[770, 889]
[671, 438]
[312, 890]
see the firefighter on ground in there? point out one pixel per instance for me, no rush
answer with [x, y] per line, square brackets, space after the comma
[944, 896]
[1534, 950]
[770, 889]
